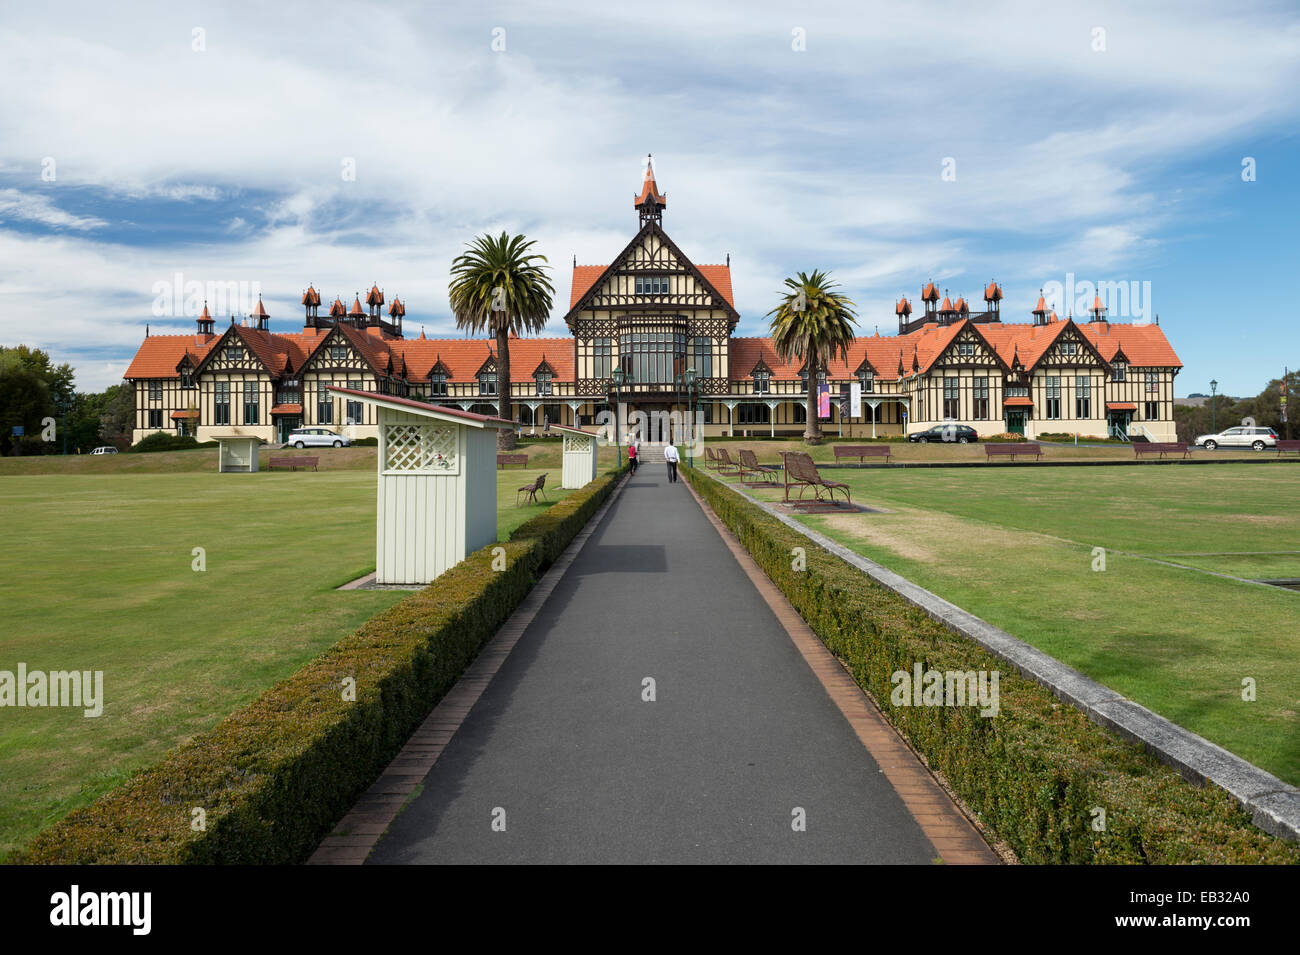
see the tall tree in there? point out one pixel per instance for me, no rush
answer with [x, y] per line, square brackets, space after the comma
[500, 287]
[813, 322]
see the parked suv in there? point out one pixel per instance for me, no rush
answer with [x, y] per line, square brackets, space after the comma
[1243, 437]
[317, 438]
[952, 433]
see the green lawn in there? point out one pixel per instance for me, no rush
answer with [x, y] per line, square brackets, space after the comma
[95, 574]
[1016, 547]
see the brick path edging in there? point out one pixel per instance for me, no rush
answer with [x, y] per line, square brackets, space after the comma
[953, 835]
[1273, 804]
[357, 833]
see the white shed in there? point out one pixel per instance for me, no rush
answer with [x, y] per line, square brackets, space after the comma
[579, 457]
[437, 497]
[237, 452]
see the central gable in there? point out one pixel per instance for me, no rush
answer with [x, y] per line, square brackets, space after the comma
[651, 271]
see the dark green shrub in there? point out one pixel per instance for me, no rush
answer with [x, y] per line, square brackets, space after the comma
[275, 776]
[1033, 773]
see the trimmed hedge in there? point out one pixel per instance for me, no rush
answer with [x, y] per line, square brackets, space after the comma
[165, 441]
[275, 776]
[1033, 773]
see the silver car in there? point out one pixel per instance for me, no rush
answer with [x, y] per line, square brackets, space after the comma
[1242, 437]
[317, 438]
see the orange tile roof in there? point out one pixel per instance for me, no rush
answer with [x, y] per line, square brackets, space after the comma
[650, 189]
[1121, 406]
[160, 354]
[585, 276]
[1018, 402]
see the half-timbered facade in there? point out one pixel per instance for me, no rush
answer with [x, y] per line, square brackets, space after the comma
[652, 314]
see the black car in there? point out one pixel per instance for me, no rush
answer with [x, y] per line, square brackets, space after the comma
[950, 433]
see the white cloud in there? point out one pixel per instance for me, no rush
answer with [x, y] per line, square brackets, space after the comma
[33, 207]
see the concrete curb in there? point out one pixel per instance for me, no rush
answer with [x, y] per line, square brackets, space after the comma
[1273, 804]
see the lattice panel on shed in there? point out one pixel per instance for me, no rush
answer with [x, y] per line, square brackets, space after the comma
[420, 447]
[578, 443]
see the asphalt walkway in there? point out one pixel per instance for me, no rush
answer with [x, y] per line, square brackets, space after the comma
[561, 760]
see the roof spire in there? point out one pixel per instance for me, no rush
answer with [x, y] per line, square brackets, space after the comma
[651, 202]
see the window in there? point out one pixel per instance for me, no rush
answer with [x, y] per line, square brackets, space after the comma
[1153, 381]
[187, 377]
[762, 381]
[1054, 397]
[1152, 411]
[234, 353]
[543, 379]
[981, 392]
[250, 403]
[950, 399]
[221, 402]
[338, 352]
[155, 417]
[356, 409]
[1070, 348]
[600, 358]
[868, 382]
[653, 357]
[554, 414]
[155, 391]
[438, 384]
[1015, 391]
[487, 383]
[966, 349]
[1082, 396]
[652, 285]
[1119, 372]
[753, 413]
[324, 404]
[821, 378]
[702, 354]
[800, 413]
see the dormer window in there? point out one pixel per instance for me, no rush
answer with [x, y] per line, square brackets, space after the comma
[187, 377]
[543, 379]
[487, 383]
[438, 384]
[762, 381]
[821, 377]
[868, 381]
[1119, 372]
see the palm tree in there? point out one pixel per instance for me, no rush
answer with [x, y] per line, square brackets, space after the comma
[500, 287]
[812, 323]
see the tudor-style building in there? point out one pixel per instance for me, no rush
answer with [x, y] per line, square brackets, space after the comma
[653, 313]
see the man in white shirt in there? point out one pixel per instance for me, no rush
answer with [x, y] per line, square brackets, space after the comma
[672, 457]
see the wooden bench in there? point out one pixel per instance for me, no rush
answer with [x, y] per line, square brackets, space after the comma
[862, 451]
[1011, 450]
[749, 466]
[532, 490]
[293, 463]
[504, 459]
[1284, 445]
[1161, 448]
[800, 472]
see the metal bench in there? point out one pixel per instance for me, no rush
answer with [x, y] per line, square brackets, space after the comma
[862, 451]
[1161, 448]
[723, 461]
[800, 472]
[519, 459]
[710, 458]
[1011, 450]
[293, 463]
[532, 490]
[749, 466]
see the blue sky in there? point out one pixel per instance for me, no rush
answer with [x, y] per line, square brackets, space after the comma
[1113, 156]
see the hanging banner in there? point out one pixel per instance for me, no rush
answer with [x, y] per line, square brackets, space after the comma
[824, 402]
[855, 399]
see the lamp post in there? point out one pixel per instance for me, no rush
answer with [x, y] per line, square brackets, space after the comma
[620, 378]
[1214, 385]
[689, 379]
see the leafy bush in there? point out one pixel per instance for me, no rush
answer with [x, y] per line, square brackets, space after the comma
[365, 443]
[1034, 772]
[166, 441]
[275, 776]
